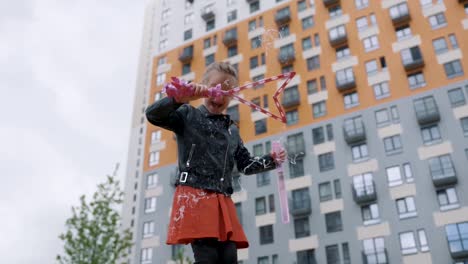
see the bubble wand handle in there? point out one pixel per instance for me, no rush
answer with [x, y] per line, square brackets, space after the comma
[283, 196]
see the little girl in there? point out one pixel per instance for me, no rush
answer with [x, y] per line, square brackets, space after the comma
[209, 146]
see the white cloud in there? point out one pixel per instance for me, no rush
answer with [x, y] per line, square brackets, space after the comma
[67, 76]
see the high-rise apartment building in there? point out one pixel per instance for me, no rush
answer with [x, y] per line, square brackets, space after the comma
[377, 127]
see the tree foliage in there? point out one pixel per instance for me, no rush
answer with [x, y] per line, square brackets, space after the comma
[93, 235]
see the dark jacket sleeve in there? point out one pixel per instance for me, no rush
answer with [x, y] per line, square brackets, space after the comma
[167, 113]
[247, 164]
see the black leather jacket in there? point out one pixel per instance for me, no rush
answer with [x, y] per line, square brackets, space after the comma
[208, 146]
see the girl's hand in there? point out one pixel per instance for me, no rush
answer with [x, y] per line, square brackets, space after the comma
[279, 156]
[197, 91]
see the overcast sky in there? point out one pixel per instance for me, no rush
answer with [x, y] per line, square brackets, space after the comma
[67, 80]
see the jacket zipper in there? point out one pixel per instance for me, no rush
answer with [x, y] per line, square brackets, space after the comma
[225, 160]
[192, 149]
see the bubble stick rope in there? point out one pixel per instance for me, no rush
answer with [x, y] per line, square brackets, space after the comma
[283, 196]
[179, 88]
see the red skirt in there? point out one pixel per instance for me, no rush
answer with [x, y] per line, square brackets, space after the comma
[198, 213]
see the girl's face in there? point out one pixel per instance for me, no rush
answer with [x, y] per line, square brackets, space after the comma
[219, 104]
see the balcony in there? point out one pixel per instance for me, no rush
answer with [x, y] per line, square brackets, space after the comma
[230, 37]
[291, 97]
[459, 255]
[338, 36]
[345, 81]
[427, 111]
[400, 14]
[207, 13]
[300, 208]
[283, 16]
[286, 57]
[364, 194]
[330, 3]
[354, 130]
[379, 256]
[186, 55]
[412, 58]
[444, 179]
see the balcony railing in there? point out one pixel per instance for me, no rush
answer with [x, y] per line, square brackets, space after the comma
[402, 15]
[338, 36]
[443, 178]
[283, 17]
[186, 55]
[354, 131]
[329, 3]
[302, 207]
[207, 13]
[364, 194]
[230, 37]
[427, 114]
[286, 57]
[379, 256]
[345, 82]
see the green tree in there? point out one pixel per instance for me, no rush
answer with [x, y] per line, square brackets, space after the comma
[93, 235]
[180, 257]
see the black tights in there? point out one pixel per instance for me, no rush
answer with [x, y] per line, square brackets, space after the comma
[212, 251]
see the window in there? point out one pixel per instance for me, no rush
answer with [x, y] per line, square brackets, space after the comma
[291, 96]
[325, 192]
[210, 24]
[363, 184]
[206, 43]
[447, 199]
[292, 117]
[188, 4]
[406, 207]
[416, 80]
[361, 23]
[307, 22]
[430, 134]
[394, 176]
[253, 62]
[319, 109]
[344, 76]
[323, 83]
[151, 180]
[306, 43]
[351, 100]
[370, 214]
[263, 260]
[326, 162]
[271, 203]
[186, 68]
[301, 5]
[260, 126]
[453, 69]
[256, 42]
[381, 90]
[371, 67]
[410, 55]
[346, 255]
[312, 86]
[371, 43]
[359, 152]
[232, 51]
[464, 125]
[453, 41]
[457, 236]
[209, 59]
[403, 32]
[260, 206]
[342, 52]
[160, 78]
[187, 34]
[231, 16]
[146, 256]
[382, 117]
[441, 167]
[301, 227]
[306, 257]
[317, 40]
[360, 4]
[165, 14]
[337, 186]
[164, 30]
[188, 19]
[318, 135]
[162, 61]
[423, 240]
[254, 6]
[284, 30]
[266, 234]
[440, 45]
[456, 97]
[150, 205]
[393, 145]
[395, 114]
[437, 21]
[335, 11]
[408, 243]
[333, 222]
[230, 2]
[163, 44]
[263, 179]
[148, 229]
[313, 63]
[154, 158]
[296, 168]
[374, 251]
[333, 254]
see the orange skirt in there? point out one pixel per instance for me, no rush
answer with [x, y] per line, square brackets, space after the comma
[198, 213]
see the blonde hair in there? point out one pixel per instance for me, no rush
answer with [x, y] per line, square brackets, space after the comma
[223, 67]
